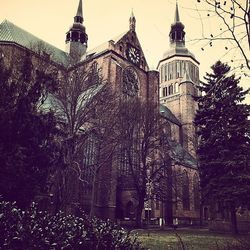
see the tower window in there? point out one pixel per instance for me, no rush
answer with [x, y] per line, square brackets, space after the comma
[162, 73]
[166, 71]
[177, 87]
[74, 36]
[170, 89]
[178, 71]
[82, 38]
[165, 91]
[68, 36]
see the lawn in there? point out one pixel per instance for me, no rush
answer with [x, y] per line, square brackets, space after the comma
[195, 239]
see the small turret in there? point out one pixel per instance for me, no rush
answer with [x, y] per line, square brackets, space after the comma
[76, 37]
[132, 21]
[177, 33]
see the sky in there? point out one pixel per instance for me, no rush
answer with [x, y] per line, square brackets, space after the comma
[105, 19]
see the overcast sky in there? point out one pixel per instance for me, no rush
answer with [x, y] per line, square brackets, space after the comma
[104, 19]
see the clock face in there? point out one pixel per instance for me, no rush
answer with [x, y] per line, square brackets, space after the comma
[130, 82]
[133, 55]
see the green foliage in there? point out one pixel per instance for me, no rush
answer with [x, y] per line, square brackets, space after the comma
[224, 145]
[34, 229]
[27, 147]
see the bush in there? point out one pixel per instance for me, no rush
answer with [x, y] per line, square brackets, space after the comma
[34, 229]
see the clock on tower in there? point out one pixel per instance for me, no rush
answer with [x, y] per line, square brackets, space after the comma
[133, 55]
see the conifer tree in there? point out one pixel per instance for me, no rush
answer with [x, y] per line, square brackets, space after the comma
[27, 136]
[224, 140]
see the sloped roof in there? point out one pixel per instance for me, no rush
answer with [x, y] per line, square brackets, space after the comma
[181, 156]
[11, 33]
[105, 46]
[178, 51]
[166, 113]
[57, 105]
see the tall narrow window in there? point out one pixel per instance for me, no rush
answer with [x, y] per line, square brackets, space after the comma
[196, 192]
[162, 73]
[170, 71]
[170, 90]
[183, 68]
[166, 71]
[176, 87]
[124, 164]
[178, 69]
[185, 191]
[90, 154]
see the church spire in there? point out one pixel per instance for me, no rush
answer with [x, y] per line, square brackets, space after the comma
[177, 16]
[76, 37]
[177, 33]
[132, 21]
[79, 10]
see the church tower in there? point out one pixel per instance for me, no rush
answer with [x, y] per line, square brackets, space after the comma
[76, 37]
[179, 78]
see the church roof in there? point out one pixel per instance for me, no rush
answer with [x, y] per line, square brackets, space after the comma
[181, 156]
[10, 33]
[178, 51]
[105, 46]
[166, 113]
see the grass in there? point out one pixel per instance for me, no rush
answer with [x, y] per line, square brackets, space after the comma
[193, 239]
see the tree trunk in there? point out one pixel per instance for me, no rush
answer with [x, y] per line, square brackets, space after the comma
[92, 205]
[169, 200]
[201, 214]
[139, 213]
[233, 219]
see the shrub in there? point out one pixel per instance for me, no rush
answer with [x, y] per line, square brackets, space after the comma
[34, 229]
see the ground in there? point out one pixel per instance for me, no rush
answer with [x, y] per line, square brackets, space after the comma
[186, 238]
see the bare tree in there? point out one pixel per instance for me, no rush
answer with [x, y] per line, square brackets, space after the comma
[81, 94]
[139, 125]
[232, 19]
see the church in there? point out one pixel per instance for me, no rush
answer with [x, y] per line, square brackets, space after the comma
[123, 65]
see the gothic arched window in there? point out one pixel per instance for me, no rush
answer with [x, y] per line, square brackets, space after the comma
[130, 83]
[185, 191]
[90, 156]
[196, 192]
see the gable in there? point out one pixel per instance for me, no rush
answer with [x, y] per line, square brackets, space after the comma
[120, 45]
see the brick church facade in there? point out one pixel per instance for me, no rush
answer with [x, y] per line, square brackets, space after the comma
[172, 87]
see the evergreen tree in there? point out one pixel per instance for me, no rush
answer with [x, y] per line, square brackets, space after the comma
[224, 140]
[27, 149]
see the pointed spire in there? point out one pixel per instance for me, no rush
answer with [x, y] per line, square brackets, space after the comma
[132, 21]
[132, 13]
[79, 16]
[177, 16]
[79, 10]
